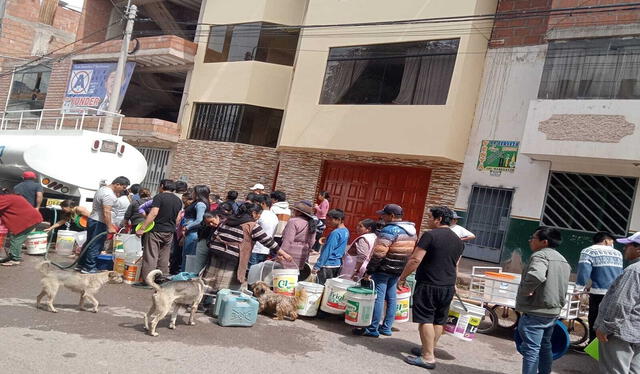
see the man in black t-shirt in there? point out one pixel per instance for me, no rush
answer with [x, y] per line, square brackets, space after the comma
[436, 259]
[157, 243]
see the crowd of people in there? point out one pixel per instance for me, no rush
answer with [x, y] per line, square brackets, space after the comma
[191, 229]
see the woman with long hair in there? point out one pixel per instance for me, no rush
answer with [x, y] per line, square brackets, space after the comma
[355, 260]
[299, 235]
[70, 211]
[193, 216]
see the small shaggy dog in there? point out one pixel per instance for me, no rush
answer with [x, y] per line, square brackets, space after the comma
[172, 294]
[87, 285]
[277, 305]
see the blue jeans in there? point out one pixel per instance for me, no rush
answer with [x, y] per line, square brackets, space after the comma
[94, 228]
[257, 258]
[189, 247]
[385, 290]
[536, 333]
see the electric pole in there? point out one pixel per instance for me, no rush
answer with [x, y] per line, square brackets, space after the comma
[114, 99]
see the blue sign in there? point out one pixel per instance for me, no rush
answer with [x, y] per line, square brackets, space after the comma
[91, 85]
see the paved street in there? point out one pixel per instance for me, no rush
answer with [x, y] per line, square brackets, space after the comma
[113, 341]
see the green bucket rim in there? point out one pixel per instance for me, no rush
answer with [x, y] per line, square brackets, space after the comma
[361, 290]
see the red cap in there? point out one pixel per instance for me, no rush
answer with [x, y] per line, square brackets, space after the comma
[29, 175]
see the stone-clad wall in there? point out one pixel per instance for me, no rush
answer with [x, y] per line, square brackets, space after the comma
[300, 173]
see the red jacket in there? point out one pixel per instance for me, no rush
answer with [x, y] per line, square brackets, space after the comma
[17, 214]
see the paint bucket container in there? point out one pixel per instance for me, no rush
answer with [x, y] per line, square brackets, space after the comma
[118, 261]
[132, 271]
[402, 306]
[359, 304]
[285, 281]
[333, 299]
[560, 340]
[36, 243]
[463, 324]
[65, 242]
[309, 306]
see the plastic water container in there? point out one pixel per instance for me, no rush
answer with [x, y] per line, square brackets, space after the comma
[81, 238]
[309, 306]
[238, 310]
[66, 242]
[104, 262]
[191, 264]
[36, 243]
[333, 300]
[118, 261]
[132, 246]
[402, 306]
[219, 296]
[411, 283]
[463, 324]
[359, 302]
[501, 288]
[560, 340]
[285, 281]
[132, 271]
[262, 272]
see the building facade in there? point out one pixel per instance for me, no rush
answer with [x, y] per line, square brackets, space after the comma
[555, 134]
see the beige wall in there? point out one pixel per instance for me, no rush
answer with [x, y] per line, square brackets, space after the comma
[429, 131]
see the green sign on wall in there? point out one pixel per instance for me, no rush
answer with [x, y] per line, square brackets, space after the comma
[498, 155]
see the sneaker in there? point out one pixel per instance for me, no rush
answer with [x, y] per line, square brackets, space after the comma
[384, 332]
[92, 271]
[363, 332]
[5, 259]
[11, 263]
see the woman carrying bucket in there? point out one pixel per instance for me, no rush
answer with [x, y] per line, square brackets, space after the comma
[355, 260]
[299, 235]
[71, 213]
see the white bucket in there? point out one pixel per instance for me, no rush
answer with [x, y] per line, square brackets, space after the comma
[131, 244]
[66, 242]
[36, 243]
[309, 306]
[333, 300]
[359, 306]
[261, 272]
[285, 281]
[461, 324]
[403, 304]
[81, 238]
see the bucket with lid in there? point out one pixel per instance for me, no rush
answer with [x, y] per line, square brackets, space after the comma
[309, 306]
[65, 242]
[285, 281]
[403, 304]
[36, 243]
[333, 300]
[463, 320]
[359, 305]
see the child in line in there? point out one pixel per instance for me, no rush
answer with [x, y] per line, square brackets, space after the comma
[330, 260]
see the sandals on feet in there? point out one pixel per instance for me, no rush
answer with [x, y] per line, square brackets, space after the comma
[418, 361]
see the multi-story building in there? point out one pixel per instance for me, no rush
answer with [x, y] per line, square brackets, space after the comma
[556, 129]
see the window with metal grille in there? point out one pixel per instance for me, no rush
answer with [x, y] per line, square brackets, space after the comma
[157, 164]
[488, 219]
[587, 202]
[236, 123]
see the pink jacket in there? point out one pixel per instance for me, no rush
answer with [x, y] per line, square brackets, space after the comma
[297, 241]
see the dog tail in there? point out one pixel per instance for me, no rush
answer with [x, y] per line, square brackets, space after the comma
[44, 267]
[151, 279]
[301, 297]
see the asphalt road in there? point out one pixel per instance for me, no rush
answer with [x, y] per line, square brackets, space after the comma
[114, 341]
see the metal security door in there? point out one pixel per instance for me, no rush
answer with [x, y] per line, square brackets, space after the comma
[488, 219]
[157, 164]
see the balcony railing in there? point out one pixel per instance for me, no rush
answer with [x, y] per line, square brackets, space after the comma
[57, 119]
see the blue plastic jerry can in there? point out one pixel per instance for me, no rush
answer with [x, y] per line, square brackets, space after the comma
[238, 310]
[222, 293]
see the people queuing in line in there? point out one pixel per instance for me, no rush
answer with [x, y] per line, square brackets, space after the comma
[299, 235]
[30, 189]
[269, 222]
[232, 196]
[20, 218]
[193, 217]
[133, 217]
[464, 234]
[321, 208]
[281, 209]
[330, 259]
[356, 259]
[601, 264]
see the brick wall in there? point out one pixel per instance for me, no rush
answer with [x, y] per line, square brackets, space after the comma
[613, 17]
[300, 172]
[95, 18]
[58, 84]
[224, 166]
[520, 31]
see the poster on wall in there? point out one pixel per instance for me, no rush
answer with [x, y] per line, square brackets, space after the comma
[498, 155]
[90, 86]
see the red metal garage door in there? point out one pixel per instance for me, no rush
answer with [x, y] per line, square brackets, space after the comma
[360, 189]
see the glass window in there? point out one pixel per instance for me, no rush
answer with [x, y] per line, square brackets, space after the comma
[606, 68]
[258, 41]
[236, 123]
[29, 89]
[415, 73]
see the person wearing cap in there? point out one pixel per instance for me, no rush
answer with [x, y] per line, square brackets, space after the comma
[30, 189]
[464, 234]
[391, 250]
[299, 234]
[601, 264]
[281, 209]
[21, 219]
[268, 221]
[257, 189]
[618, 323]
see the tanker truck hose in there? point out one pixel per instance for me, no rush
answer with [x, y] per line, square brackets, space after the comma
[82, 252]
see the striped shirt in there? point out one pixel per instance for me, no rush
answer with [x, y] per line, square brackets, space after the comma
[619, 312]
[230, 239]
[600, 263]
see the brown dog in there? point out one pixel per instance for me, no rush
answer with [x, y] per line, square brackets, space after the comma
[277, 305]
[87, 285]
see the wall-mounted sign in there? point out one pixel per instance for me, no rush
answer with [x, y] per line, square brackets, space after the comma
[90, 86]
[498, 155]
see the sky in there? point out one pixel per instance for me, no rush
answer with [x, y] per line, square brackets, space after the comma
[75, 4]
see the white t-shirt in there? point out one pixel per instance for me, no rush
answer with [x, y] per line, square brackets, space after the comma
[461, 231]
[119, 209]
[103, 197]
[268, 221]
